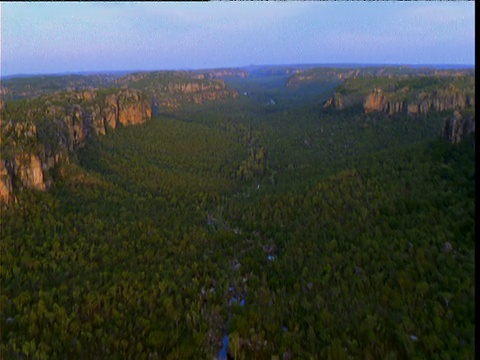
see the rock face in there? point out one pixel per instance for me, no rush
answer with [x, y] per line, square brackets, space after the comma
[299, 77]
[28, 169]
[415, 92]
[37, 136]
[170, 90]
[221, 73]
[339, 101]
[458, 127]
[403, 101]
[336, 101]
[450, 98]
[414, 96]
[377, 101]
[178, 92]
[6, 186]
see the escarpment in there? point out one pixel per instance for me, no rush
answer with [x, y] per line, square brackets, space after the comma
[38, 133]
[412, 96]
[300, 77]
[378, 101]
[450, 98]
[222, 73]
[177, 92]
[170, 90]
[459, 126]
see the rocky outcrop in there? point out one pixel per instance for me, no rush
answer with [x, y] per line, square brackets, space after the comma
[170, 90]
[458, 127]
[222, 73]
[450, 98]
[179, 92]
[190, 87]
[6, 186]
[337, 101]
[37, 136]
[405, 100]
[26, 169]
[378, 101]
[21, 88]
[300, 77]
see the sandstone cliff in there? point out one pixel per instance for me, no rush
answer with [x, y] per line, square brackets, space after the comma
[37, 134]
[339, 102]
[459, 126]
[20, 88]
[415, 95]
[378, 101]
[179, 91]
[300, 77]
[222, 73]
[450, 98]
[170, 90]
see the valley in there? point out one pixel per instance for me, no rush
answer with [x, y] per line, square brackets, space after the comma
[275, 212]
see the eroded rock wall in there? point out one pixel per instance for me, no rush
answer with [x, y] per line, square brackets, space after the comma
[458, 127]
[36, 137]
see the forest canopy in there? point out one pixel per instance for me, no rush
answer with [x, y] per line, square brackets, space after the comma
[276, 230]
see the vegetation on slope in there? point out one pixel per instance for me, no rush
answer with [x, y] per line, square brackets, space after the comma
[297, 231]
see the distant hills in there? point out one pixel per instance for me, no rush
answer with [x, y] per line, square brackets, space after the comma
[252, 68]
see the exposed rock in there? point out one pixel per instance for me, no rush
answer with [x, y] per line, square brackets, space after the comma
[170, 90]
[221, 73]
[300, 77]
[6, 186]
[450, 98]
[458, 127]
[66, 125]
[375, 101]
[304, 76]
[378, 101]
[178, 92]
[28, 169]
[337, 101]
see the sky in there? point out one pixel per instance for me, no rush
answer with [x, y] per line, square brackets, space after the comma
[47, 38]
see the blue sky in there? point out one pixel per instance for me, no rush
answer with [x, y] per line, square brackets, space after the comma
[67, 37]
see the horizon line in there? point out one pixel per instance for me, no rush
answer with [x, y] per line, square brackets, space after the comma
[324, 64]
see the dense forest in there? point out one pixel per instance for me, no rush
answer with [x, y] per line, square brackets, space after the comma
[259, 227]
